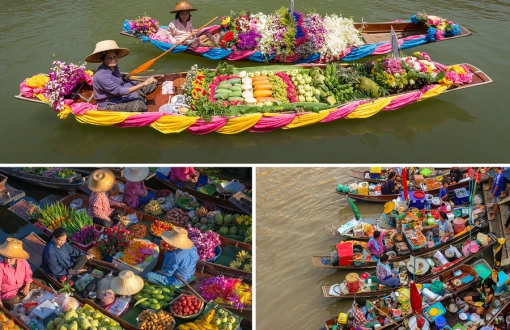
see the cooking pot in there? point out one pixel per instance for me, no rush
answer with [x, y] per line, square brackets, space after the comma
[230, 187]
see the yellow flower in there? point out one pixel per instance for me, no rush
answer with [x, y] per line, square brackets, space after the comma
[37, 81]
[194, 93]
[458, 69]
[90, 73]
[62, 114]
[445, 81]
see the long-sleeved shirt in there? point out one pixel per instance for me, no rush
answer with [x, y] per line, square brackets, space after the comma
[372, 246]
[12, 279]
[382, 272]
[180, 262]
[359, 317]
[110, 88]
[177, 31]
[57, 261]
[100, 206]
[132, 191]
[181, 173]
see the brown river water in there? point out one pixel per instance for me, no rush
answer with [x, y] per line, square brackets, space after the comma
[294, 207]
[35, 33]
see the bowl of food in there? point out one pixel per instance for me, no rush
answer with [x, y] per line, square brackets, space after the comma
[457, 282]
[183, 110]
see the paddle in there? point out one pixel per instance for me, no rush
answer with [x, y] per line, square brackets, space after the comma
[147, 65]
[189, 287]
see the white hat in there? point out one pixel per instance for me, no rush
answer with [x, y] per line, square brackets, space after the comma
[127, 283]
[135, 174]
[103, 47]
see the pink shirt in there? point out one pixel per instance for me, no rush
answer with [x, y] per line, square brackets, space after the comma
[133, 190]
[12, 279]
[371, 245]
[99, 205]
[178, 32]
[181, 173]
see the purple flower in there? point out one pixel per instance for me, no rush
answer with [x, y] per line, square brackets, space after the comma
[392, 65]
[248, 40]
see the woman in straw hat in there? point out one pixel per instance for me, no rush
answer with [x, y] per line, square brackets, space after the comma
[100, 206]
[15, 273]
[60, 258]
[135, 192]
[180, 28]
[388, 218]
[112, 91]
[181, 261]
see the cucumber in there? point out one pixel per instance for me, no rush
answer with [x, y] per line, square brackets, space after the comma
[238, 85]
[235, 98]
[224, 85]
[221, 96]
[236, 88]
[234, 81]
[236, 93]
[222, 90]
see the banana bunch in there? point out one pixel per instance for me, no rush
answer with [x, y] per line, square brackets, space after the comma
[201, 212]
[154, 208]
[198, 325]
[247, 267]
[236, 264]
[242, 256]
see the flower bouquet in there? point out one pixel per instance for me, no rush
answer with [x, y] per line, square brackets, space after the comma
[438, 28]
[228, 291]
[67, 286]
[142, 26]
[85, 237]
[140, 254]
[113, 240]
[205, 241]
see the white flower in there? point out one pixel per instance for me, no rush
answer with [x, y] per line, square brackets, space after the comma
[341, 35]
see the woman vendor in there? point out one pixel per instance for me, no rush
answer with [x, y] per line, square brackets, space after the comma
[15, 273]
[385, 274]
[388, 218]
[375, 245]
[112, 91]
[389, 187]
[135, 192]
[484, 298]
[182, 261]
[443, 228]
[362, 316]
[181, 27]
[60, 258]
[443, 191]
[100, 206]
[185, 175]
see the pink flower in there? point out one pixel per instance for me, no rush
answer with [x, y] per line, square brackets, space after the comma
[63, 279]
[439, 35]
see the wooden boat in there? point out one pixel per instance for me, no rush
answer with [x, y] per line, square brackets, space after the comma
[8, 193]
[36, 243]
[389, 198]
[55, 183]
[246, 118]
[376, 36]
[317, 260]
[445, 275]
[361, 175]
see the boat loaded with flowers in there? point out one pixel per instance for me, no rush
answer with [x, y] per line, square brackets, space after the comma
[230, 100]
[295, 37]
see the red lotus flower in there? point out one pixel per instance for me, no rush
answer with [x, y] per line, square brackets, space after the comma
[71, 283]
[63, 279]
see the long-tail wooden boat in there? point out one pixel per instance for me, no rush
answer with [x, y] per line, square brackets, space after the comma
[317, 260]
[376, 36]
[388, 198]
[36, 243]
[361, 175]
[244, 117]
[55, 183]
[445, 274]
[7, 193]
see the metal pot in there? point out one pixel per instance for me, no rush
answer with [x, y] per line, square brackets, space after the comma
[230, 188]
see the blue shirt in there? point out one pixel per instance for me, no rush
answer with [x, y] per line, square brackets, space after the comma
[506, 172]
[181, 262]
[443, 192]
[57, 261]
[498, 182]
[110, 88]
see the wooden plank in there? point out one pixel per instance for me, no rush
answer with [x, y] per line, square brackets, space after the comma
[51, 199]
[22, 209]
[497, 225]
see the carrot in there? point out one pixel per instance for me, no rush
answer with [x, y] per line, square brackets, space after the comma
[255, 78]
[262, 93]
[262, 86]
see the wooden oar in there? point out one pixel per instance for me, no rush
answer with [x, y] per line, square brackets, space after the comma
[189, 287]
[147, 65]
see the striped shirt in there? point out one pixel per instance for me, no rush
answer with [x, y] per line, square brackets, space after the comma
[100, 206]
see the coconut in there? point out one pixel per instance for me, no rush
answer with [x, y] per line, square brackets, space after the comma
[223, 230]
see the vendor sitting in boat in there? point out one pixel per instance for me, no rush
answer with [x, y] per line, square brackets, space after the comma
[59, 258]
[15, 273]
[456, 175]
[389, 187]
[112, 91]
[385, 274]
[375, 245]
[100, 206]
[443, 228]
[443, 191]
[185, 175]
[181, 27]
[182, 261]
[388, 218]
[482, 301]
[135, 192]
[363, 316]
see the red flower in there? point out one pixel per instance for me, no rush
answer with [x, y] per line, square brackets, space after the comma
[63, 279]
[71, 283]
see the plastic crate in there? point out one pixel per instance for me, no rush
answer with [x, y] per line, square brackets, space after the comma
[461, 200]
[482, 268]
[440, 308]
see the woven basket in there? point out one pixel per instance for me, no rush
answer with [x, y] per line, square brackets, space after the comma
[187, 316]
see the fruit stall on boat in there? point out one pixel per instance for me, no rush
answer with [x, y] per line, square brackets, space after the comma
[50, 177]
[231, 100]
[294, 37]
[378, 175]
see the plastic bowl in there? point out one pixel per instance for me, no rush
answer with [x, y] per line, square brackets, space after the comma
[419, 194]
[433, 312]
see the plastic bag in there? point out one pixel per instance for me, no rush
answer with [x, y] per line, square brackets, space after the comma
[70, 303]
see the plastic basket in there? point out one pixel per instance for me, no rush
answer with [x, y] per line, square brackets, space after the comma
[212, 305]
[482, 268]
[217, 252]
[187, 317]
[440, 311]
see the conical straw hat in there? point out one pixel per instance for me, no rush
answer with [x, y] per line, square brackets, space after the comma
[178, 238]
[101, 180]
[127, 283]
[104, 46]
[182, 5]
[135, 174]
[13, 248]
[388, 207]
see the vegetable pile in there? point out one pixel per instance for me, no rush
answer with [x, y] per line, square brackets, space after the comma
[158, 227]
[139, 230]
[177, 216]
[154, 297]
[59, 215]
[160, 320]
[7, 323]
[50, 172]
[186, 305]
[83, 319]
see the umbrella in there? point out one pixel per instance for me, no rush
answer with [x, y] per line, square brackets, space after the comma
[416, 304]
[497, 259]
[354, 209]
[404, 182]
